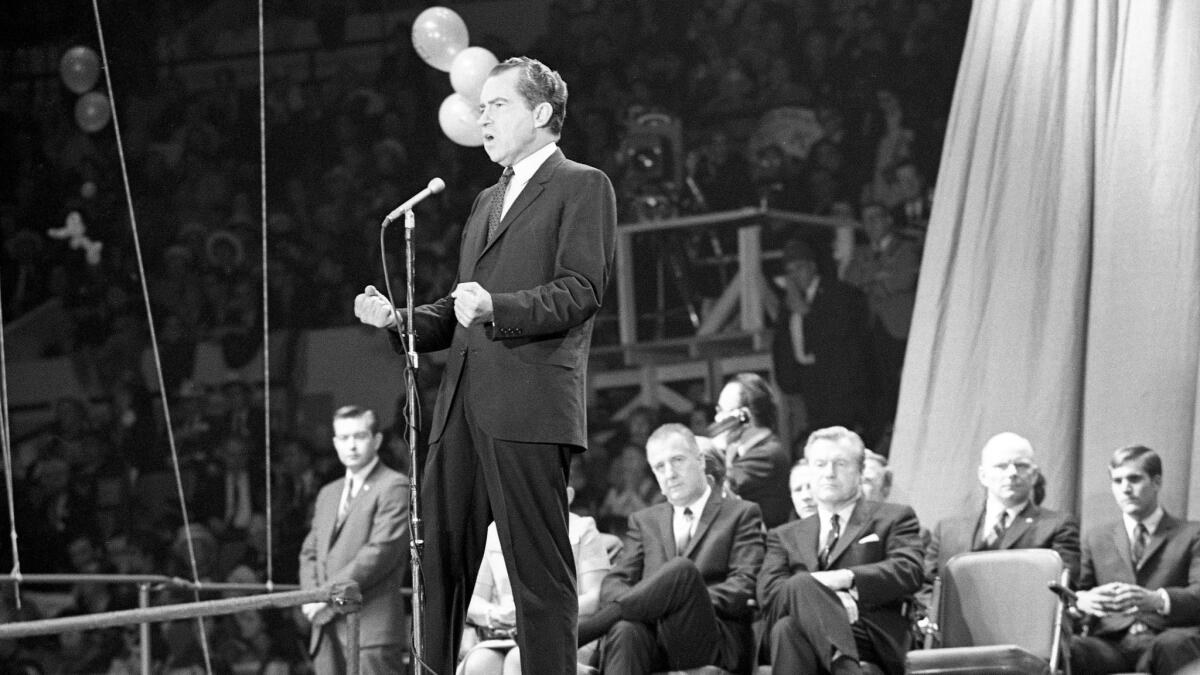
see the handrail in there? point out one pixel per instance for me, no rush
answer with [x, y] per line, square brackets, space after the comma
[155, 579]
[337, 596]
[343, 598]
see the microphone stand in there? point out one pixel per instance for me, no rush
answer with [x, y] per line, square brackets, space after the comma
[412, 412]
[416, 537]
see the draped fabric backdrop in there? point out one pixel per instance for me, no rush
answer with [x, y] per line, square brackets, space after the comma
[1059, 289]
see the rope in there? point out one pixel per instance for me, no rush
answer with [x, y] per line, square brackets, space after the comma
[6, 442]
[158, 370]
[262, 158]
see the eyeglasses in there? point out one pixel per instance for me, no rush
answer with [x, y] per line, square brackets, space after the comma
[356, 436]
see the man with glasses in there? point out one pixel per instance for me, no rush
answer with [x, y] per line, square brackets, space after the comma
[1009, 517]
[833, 588]
[359, 533]
[1141, 579]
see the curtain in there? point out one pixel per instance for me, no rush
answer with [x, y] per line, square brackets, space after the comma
[1059, 286]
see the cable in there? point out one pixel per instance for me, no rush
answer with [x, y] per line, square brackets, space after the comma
[6, 442]
[262, 154]
[158, 370]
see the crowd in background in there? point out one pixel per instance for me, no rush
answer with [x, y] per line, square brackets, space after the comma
[95, 490]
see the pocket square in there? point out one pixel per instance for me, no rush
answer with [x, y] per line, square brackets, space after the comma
[869, 538]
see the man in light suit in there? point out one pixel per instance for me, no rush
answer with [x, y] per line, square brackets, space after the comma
[1009, 518]
[1140, 579]
[679, 595]
[535, 259]
[359, 533]
[833, 585]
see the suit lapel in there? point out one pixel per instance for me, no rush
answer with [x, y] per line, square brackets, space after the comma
[859, 519]
[666, 530]
[1122, 545]
[711, 509]
[329, 512]
[1159, 539]
[1020, 524]
[808, 544]
[528, 195]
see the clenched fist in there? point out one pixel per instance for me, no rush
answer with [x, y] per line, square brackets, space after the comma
[373, 309]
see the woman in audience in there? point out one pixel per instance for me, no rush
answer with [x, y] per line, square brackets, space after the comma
[489, 644]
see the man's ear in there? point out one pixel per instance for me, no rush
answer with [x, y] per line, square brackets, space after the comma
[542, 113]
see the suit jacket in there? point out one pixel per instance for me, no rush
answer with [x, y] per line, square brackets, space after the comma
[546, 270]
[889, 278]
[881, 544]
[727, 548]
[1035, 527]
[760, 475]
[1171, 561]
[371, 548]
[835, 332]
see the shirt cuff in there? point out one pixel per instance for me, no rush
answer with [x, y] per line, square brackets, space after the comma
[1166, 601]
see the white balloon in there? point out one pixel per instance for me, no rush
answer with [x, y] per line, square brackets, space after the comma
[438, 35]
[469, 69]
[458, 118]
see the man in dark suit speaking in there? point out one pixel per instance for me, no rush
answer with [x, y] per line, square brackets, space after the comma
[535, 258]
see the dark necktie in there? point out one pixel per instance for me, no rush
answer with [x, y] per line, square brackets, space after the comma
[997, 533]
[830, 542]
[684, 536]
[1141, 536]
[497, 206]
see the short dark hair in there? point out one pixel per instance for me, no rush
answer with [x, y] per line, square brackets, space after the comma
[355, 412]
[1149, 460]
[539, 84]
[758, 397]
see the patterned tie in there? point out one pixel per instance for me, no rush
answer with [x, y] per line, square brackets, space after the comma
[1141, 537]
[997, 532]
[684, 536]
[830, 542]
[497, 207]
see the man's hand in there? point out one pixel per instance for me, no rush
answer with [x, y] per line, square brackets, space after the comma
[317, 613]
[1131, 598]
[835, 580]
[472, 304]
[1118, 598]
[373, 309]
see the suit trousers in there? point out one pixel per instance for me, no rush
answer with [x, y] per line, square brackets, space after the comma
[470, 480]
[667, 623]
[810, 625]
[1156, 653]
[330, 657]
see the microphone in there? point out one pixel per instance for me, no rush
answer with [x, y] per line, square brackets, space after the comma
[435, 186]
[736, 419]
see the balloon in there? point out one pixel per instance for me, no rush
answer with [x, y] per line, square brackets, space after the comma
[469, 69]
[92, 111]
[457, 117]
[438, 34]
[79, 69]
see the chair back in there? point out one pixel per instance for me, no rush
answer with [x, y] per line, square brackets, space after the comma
[1001, 597]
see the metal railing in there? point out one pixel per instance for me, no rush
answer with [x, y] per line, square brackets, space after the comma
[344, 598]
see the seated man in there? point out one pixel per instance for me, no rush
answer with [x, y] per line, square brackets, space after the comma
[1140, 578]
[833, 588]
[679, 595]
[1009, 517]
